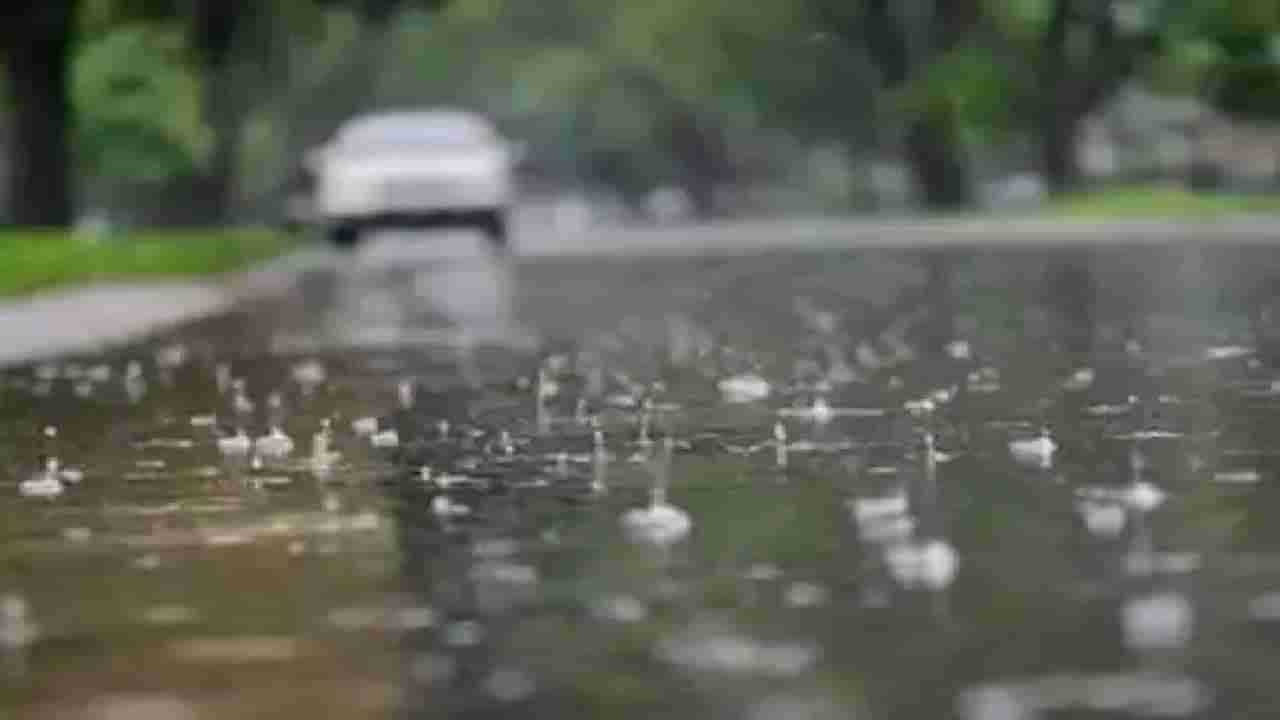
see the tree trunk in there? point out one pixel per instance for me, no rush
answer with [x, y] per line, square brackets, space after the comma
[37, 57]
[215, 25]
[1060, 151]
[699, 145]
[931, 147]
[1074, 90]
[937, 163]
[705, 162]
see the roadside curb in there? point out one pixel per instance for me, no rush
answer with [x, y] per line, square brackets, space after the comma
[825, 233]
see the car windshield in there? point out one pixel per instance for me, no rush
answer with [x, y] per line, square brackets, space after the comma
[410, 129]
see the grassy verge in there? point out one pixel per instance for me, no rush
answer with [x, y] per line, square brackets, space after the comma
[38, 260]
[1133, 203]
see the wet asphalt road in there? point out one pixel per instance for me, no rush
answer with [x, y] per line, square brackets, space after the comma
[818, 490]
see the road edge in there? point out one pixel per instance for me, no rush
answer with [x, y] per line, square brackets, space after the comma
[96, 317]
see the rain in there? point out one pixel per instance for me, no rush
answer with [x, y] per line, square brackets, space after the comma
[763, 513]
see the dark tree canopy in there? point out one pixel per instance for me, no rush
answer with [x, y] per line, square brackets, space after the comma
[379, 12]
[37, 43]
[36, 40]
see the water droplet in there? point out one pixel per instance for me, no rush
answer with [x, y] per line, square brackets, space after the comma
[993, 702]
[659, 524]
[463, 633]
[237, 444]
[1247, 476]
[960, 350]
[1144, 496]
[1080, 380]
[1037, 452]
[170, 615]
[354, 618]
[620, 609]
[1160, 621]
[745, 388]
[931, 565]
[1228, 352]
[241, 405]
[77, 535]
[364, 426]
[503, 573]
[764, 572]
[445, 507]
[147, 562]
[871, 509]
[711, 650]
[46, 483]
[1265, 608]
[222, 377]
[140, 706]
[921, 407]
[495, 548]
[17, 629]
[511, 685]
[1106, 520]
[780, 445]
[385, 439]
[806, 595]
[237, 650]
[309, 373]
[322, 457]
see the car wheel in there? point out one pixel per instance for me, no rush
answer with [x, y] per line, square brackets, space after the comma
[345, 235]
[494, 226]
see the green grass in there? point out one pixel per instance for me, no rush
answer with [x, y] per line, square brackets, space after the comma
[32, 260]
[1132, 203]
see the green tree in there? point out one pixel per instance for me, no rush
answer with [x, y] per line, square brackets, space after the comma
[1086, 51]
[902, 42]
[139, 123]
[241, 53]
[1243, 58]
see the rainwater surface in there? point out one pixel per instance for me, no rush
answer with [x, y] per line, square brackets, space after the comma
[989, 485]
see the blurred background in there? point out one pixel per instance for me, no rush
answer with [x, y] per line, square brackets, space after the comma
[983, 471]
[195, 112]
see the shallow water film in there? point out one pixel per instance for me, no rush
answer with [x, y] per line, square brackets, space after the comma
[993, 485]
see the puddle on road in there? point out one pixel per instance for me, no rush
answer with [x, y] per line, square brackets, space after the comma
[769, 487]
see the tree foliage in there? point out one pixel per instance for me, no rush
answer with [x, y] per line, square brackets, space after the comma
[703, 93]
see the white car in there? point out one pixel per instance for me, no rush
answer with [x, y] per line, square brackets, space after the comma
[412, 168]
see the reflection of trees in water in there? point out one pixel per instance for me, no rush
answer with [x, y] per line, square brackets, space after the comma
[1070, 292]
[439, 680]
[940, 299]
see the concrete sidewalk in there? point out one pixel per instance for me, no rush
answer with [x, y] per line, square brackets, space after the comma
[93, 318]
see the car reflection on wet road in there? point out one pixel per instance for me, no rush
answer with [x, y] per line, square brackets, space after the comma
[882, 483]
